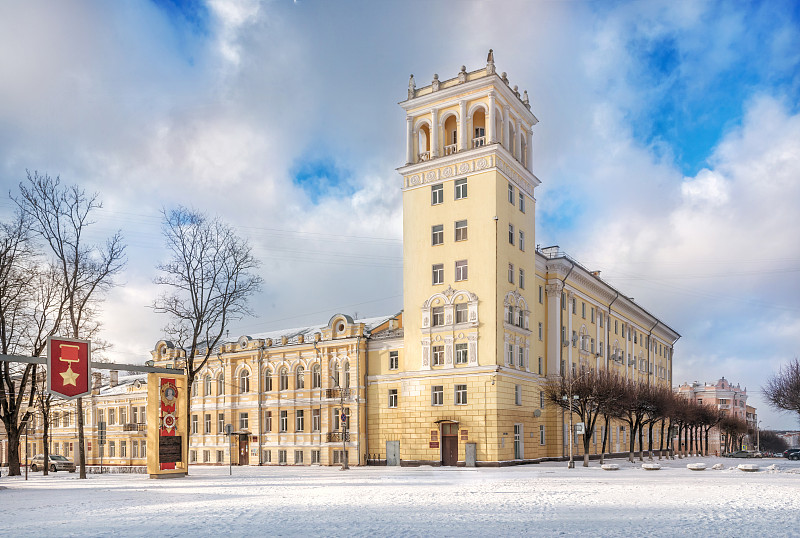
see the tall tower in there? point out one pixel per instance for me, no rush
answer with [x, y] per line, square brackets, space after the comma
[469, 266]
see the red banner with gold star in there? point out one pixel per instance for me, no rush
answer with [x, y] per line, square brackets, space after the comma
[168, 423]
[68, 367]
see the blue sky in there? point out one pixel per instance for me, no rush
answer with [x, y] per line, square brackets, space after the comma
[667, 147]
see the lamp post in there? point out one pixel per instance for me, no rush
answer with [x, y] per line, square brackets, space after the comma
[343, 418]
[758, 437]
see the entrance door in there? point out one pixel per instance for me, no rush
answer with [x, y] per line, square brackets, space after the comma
[244, 452]
[518, 441]
[449, 444]
[392, 453]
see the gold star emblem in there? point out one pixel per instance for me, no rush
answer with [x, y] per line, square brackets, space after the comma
[70, 377]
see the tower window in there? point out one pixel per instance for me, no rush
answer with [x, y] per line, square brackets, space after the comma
[521, 202]
[461, 188]
[522, 279]
[437, 234]
[511, 273]
[461, 230]
[510, 193]
[438, 273]
[461, 270]
[437, 194]
[522, 240]
[511, 234]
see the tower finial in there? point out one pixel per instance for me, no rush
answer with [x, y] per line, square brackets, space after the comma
[490, 63]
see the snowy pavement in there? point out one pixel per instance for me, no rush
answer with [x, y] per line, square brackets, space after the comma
[546, 499]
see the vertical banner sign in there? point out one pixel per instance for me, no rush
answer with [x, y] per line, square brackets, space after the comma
[68, 367]
[169, 443]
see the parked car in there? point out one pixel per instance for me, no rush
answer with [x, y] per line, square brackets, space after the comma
[57, 463]
[739, 454]
[792, 454]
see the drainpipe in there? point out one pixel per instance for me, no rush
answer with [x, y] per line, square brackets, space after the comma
[561, 333]
[649, 344]
[260, 405]
[608, 329]
[358, 404]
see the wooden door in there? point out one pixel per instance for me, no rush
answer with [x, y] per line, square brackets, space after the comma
[244, 452]
[449, 450]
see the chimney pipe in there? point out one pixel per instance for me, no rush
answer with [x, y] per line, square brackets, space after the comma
[114, 379]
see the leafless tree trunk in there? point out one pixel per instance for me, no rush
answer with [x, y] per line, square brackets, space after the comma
[782, 391]
[61, 216]
[209, 280]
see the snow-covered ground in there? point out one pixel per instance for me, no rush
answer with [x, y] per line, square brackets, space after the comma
[545, 499]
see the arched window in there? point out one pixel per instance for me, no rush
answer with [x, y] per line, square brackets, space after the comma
[316, 377]
[346, 368]
[284, 379]
[207, 386]
[221, 384]
[335, 374]
[244, 382]
[194, 387]
[300, 382]
[267, 380]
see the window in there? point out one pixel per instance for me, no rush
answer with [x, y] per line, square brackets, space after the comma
[438, 273]
[392, 397]
[563, 301]
[283, 425]
[315, 456]
[522, 240]
[461, 394]
[510, 354]
[540, 366]
[462, 312]
[194, 388]
[510, 193]
[574, 339]
[615, 327]
[518, 394]
[521, 202]
[574, 304]
[592, 317]
[194, 423]
[123, 449]
[541, 330]
[112, 450]
[461, 230]
[520, 317]
[300, 379]
[206, 456]
[541, 434]
[437, 234]
[244, 382]
[339, 456]
[206, 386]
[243, 421]
[299, 420]
[522, 279]
[511, 273]
[220, 422]
[207, 423]
[600, 315]
[437, 316]
[112, 413]
[143, 451]
[437, 395]
[461, 353]
[461, 188]
[437, 194]
[316, 421]
[283, 379]
[520, 357]
[541, 295]
[267, 421]
[583, 310]
[394, 360]
[298, 456]
[220, 456]
[461, 270]
[282, 457]
[511, 315]
[135, 449]
[438, 355]
[316, 376]
[511, 234]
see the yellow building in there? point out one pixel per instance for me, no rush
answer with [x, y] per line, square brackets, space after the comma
[456, 378]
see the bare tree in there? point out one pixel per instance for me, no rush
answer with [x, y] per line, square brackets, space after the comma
[209, 280]
[60, 216]
[782, 390]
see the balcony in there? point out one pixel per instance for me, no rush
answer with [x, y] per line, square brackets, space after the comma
[424, 156]
[337, 393]
[336, 437]
[451, 149]
[134, 427]
[479, 142]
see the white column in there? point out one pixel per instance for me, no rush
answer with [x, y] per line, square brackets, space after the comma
[462, 126]
[569, 332]
[517, 140]
[530, 150]
[409, 140]
[553, 327]
[434, 133]
[507, 127]
[490, 121]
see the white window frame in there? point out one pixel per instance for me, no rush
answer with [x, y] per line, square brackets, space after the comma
[438, 274]
[462, 270]
[392, 398]
[460, 190]
[437, 234]
[460, 395]
[462, 353]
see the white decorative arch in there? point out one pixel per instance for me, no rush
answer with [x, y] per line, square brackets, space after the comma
[476, 106]
[443, 117]
[448, 297]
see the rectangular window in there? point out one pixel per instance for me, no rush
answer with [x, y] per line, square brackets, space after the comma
[592, 318]
[437, 316]
[315, 456]
[518, 394]
[541, 330]
[244, 421]
[123, 449]
[283, 425]
[392, 397]
[462, 312]
[522, 240]
[111, 416]
[220, 423]
[521, 202]
[510, 193]
[510, 354]
[123, 415]
[563, 301]
[438, 273]
[112, 449]
[520, 357]
[461, 188]
[437, 234]
[461, 230]
[299, 420]
[316, 420]
[143, 451]
[207, 423]
[438, 355]
[221, 456]
[511, 234]
[600, 315]
[461, 270]
[394, 360]
[437, 194]
[206, 456]
[511, 273]
[583, 310]
[267, 421]
[540, 366]
[282, 457]
[461, 353]
[615, 327]
[541, 295]
[437, 395]
[194, 423]
[541, 399]
[461, 394]
[574, 303]
[522, 279]
[135, 448]
[541, 434]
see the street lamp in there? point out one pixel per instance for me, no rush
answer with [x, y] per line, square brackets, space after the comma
[758, 437]
[343, 418]
[571, 399]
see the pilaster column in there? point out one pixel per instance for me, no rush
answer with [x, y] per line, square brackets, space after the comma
[490, 137]
[434, 133]
[409, 140]
[518, 140]
[553, 327]
[507, 127]
[530, 150]
[462, 126]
